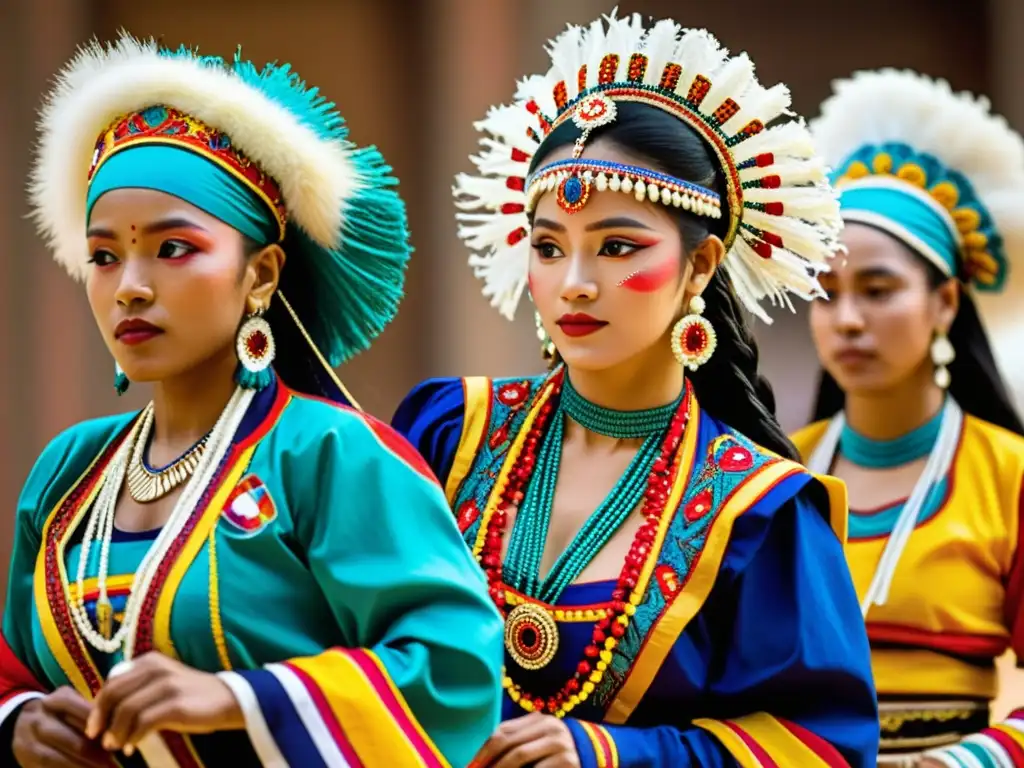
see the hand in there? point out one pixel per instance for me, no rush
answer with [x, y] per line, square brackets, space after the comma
[927, 762]
[156, 693]
[49, 732]
[537, 740]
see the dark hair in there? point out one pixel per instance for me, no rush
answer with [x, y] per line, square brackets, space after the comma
[975, 381]
[728, 386]
[295, 362]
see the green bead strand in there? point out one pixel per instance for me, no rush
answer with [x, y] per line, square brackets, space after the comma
[533, 519]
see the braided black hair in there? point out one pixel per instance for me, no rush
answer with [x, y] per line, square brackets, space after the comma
[975, 381]
[728, 386]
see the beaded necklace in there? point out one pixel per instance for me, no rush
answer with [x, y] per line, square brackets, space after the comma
[531, 634]
[533, 519]
[881, 454]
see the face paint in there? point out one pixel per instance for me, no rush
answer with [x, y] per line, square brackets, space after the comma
[650, 279]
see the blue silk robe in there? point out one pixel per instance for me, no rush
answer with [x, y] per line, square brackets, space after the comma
[322, 574]
[748, 646]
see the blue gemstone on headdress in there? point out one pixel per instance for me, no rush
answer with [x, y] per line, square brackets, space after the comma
[154, 115]
[573, 190]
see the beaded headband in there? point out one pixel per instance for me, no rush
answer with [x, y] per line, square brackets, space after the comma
[163, 125]
[573, 180]
[783, 220]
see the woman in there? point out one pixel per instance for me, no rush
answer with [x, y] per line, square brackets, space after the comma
[254, 594]
[913, 413]
[674, 594]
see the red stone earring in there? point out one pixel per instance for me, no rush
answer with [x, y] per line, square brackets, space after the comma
[693, 337]
[255, 348]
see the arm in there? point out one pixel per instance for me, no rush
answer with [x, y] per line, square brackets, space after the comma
[419, 683]
[795, 685]
[18, 685]
[19, 675]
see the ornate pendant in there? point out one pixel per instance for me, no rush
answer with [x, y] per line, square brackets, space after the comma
[531, 636]
[147, 486]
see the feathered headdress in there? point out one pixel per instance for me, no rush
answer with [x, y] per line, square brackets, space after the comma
[336, 204]
[783, 216]
[898, 131]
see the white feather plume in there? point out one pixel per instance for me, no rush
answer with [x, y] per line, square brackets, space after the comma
[782, 242]
[103, 83]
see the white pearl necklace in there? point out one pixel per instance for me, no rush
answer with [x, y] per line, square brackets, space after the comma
[100, 525]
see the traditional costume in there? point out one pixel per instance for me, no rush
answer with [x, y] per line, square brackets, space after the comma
[939, 574]
[288, 565]
[731, 635]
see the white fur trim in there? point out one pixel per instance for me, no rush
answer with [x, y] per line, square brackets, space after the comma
[102, 83]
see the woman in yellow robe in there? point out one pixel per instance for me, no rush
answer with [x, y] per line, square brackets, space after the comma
[913, 413]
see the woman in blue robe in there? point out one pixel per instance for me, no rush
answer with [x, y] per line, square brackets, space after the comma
[673, 582]
[229, 577]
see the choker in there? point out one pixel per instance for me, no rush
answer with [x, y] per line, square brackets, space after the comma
[882, 454]
[622, 425]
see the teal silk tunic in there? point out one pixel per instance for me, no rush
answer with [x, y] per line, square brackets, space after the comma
[322, 573]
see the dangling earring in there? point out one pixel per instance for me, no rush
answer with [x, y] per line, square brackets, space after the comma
[255, 348]
[120, 379]
[547, 346]
[693, 337]
[942, 355]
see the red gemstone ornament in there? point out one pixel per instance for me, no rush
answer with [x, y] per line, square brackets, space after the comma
[736, 459]
[255, 344]
[693, 338]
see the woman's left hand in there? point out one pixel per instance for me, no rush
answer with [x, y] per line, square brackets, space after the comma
[156, 693]
[537, 740]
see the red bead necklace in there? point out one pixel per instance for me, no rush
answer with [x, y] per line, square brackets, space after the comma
[626, 595]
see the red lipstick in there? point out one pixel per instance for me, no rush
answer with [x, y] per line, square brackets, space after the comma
[134, 331]
[579, 324]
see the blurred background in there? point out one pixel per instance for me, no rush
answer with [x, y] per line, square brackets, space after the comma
[411, 76]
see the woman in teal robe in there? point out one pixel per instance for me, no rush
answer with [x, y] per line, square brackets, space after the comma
[672, 580]
[263, 598]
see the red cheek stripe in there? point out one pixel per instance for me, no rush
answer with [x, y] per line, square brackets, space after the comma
[650, 279]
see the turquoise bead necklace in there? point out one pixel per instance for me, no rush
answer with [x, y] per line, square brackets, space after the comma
[882, 454]
[529, 534]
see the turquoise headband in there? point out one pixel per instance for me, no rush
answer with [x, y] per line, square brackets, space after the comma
[905, 213]
[188, 176]
[931, 208]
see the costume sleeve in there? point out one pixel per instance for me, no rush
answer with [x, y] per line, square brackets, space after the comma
[19, 667]
[431, 418]
[1003, 742]
[418, 683]
[795, 686]
[18, 684]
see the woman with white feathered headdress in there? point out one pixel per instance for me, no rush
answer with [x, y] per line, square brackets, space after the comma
[914, 414]
[229, 577]
[673, 585]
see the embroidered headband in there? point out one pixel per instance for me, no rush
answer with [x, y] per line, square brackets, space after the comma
[167, 127]
[933, 168]
[333, 205]
[783, 217]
